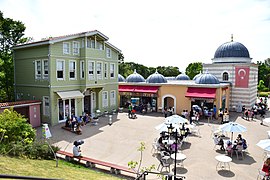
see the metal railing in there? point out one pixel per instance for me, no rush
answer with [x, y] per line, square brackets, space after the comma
[143, 175]
[7, 176]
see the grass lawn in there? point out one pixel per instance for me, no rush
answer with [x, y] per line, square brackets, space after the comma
[46, 168]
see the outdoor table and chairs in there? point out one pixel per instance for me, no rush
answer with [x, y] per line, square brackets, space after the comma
[168, 141]
[223, 161]
[180, 157]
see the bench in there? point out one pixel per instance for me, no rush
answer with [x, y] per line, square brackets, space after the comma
[90, 162]
[69, 129]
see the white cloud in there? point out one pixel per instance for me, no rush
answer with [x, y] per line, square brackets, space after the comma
[153, 32]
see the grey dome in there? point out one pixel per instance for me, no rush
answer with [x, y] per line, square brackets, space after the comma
[182, 77]
[156, 78]
[207, 78]
[121, 78]
[231, 49]
[195, 77]
[135, 77]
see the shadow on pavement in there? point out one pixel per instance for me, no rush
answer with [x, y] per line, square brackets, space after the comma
[226, 173]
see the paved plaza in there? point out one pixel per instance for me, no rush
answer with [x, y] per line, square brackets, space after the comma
[118, 144]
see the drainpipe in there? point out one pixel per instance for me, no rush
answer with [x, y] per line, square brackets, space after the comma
[14, 70]
[49, 78]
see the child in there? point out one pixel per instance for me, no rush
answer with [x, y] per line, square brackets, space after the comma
[229, 147]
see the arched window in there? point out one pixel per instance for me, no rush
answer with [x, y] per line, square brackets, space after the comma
[225, 76]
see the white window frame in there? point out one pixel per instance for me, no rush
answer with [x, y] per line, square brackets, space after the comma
[82, 69]
[100, 46]
[63, 61]
[66, 50]
[113, 98]
[105, 99]
[112, 70]
[38, 69]
[88, 43]
[93, 44]
[223, 75]
[83, 43]
[91, 76]
[76, 47]
[72, 69]
[44, 69]
[99, 76]
[46, 105]
[108, 53]
[105, 70]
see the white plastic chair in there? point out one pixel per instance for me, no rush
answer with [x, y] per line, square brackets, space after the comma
[215, 144]
[164, 164]
[155, 148]
[214, 128]
[261, 175]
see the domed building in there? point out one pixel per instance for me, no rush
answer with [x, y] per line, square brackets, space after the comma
[182, 77]
[207, 79]
[121, 78]
[232, 63]
[195, 77]
[135, 78]
[156, 78]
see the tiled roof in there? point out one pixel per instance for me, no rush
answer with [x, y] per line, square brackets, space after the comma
[17, 103]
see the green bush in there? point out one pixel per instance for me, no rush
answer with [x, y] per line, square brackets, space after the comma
[264, 94]
[40, 150]
[17, 138]
[14, 128]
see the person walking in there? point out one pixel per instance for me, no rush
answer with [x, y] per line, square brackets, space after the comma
[129, 110]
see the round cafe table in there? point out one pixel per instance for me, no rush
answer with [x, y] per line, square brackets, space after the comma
[223, 161]
[180, 157]
[168, 141]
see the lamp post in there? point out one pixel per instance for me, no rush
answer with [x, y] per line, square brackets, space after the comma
[170, 130]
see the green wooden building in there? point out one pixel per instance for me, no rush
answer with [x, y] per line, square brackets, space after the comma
[71, 75]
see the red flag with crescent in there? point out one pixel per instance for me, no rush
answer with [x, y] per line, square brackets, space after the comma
[241, 77]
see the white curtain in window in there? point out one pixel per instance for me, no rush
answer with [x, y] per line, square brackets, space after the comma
[60, 65]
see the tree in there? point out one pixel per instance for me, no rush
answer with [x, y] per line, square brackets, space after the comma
[11, 34]
[168, 71]
[193, 69]
[128, 68]
[121, 57]
[261, 85]
[133, 164]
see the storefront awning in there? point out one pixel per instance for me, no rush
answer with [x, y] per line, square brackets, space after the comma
[138, 89]
[146, 89]
[70, 94]
[209, 93]
[125, 88]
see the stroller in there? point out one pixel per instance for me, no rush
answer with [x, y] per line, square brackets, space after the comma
[133, 114]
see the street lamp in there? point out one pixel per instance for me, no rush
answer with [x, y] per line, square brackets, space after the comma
[170, 129]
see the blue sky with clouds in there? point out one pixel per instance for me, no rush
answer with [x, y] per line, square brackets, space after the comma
[153, 32]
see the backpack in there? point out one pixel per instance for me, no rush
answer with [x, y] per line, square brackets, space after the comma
[244, 144]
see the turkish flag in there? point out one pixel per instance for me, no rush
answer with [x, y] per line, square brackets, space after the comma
[241, 77]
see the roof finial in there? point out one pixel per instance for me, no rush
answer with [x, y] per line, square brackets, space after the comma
[135, 71]
[156, 72]
[231, 37]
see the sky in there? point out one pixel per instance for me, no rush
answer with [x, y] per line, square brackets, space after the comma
[153, 32]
